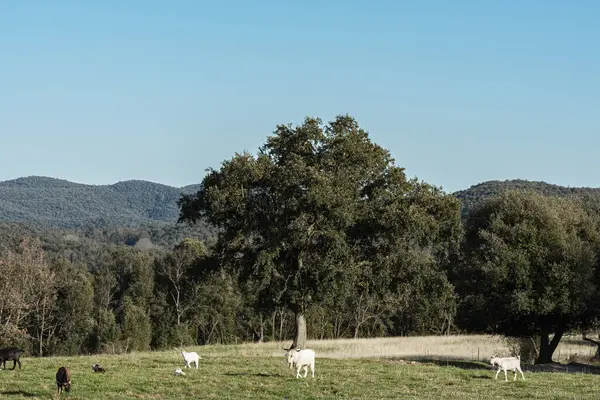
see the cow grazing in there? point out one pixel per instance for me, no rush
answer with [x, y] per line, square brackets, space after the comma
[507, 364]
[63, 379]
[97, 368]
[301, 359]
[11, 353]
[189, 358]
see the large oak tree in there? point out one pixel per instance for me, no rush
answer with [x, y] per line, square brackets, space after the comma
[322, 211]
[530, 268]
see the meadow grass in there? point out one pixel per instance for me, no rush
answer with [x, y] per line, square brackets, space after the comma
[455, 347]
[345, 369]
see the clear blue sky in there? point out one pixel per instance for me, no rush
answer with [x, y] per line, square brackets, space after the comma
[459, 91]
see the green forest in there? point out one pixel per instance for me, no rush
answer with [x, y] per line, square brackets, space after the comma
[319, 235]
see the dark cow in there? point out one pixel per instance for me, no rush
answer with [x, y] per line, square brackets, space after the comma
[97, 368]
[63, 379]
[11, 353]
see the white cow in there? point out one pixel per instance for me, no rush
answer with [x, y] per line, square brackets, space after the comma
[301, 359]
[189, 358]
[507, 363]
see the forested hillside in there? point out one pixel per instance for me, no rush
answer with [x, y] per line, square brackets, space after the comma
[145, 213]
[477, 193]
[77, 220]
[73, 215]
[44, 202]
[57, 203]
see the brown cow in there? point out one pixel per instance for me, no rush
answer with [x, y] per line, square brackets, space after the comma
[63, 379]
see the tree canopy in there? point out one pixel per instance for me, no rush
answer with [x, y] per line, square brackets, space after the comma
[530, 267]
[321, 212]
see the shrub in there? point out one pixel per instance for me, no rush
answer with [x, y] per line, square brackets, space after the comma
[525, 347]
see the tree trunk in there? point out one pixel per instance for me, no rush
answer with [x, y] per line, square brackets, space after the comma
[273, 317]
[261, 332]
[281, 323]
[42, 327]
[300, 340]
[41, 344]
[357, 330]
[212, 330]
[548, 346]
[178, 308]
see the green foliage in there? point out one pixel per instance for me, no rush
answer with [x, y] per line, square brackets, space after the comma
[322, 213]
[530, 266]
[58, 203]
[106, 333]
[79, 221]
[74, 305]
[13, 336]
[473, 196]
[136, 328]
[216, 302]
[435, 311]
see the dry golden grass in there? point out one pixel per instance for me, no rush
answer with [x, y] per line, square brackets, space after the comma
[458, 347]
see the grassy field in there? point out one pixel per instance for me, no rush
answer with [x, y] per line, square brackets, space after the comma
[349, 369]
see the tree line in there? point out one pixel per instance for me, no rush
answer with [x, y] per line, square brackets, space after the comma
[139, 299]
[319, 235]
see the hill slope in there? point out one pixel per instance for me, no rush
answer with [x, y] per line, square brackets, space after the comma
[472, 196]
[59, 203]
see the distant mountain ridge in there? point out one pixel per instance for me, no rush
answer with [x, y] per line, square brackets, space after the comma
[58, 203]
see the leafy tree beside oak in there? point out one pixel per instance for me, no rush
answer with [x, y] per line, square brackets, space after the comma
[322, 215]
[530, 268]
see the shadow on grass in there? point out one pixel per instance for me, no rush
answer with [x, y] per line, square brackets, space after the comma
[485, 377]
[571, 368]
[18, 393]
[260, 374]
[442, 362]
